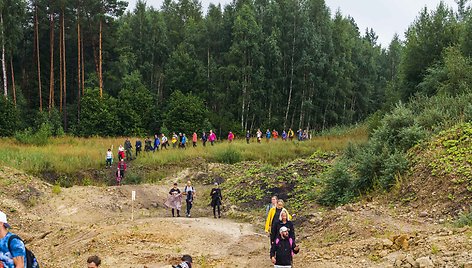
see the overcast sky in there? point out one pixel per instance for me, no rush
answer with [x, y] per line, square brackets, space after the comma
[386, 17]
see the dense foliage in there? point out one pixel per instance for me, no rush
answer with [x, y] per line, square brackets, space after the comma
[268, 64]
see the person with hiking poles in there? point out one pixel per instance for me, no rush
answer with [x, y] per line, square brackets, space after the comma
[189, 192]
[273, 217]
[283, 221]
[216, 199]
[283, 249]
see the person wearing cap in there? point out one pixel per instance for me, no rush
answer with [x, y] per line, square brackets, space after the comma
[94, 262]
[216, 199]
[13, 255]
[186, 262]
[283, 249]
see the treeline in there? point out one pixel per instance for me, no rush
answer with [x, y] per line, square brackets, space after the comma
[91, 69]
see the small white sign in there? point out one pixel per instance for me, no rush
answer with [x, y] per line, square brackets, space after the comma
[133, 195]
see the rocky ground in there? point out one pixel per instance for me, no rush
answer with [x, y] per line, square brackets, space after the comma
[64, 226]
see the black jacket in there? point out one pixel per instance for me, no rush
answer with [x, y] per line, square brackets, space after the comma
[282, 252]
[276, 227]
[216, 197]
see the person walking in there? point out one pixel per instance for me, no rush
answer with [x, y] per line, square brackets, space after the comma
[118, 176]
[212, 137]
[139, 147]
[283, 221]
[164, 141]
[128, 149]
[174, 201]
[216, 199]
[174, 140]
[12, 248]
[109, 159]
[121, 152]
[157, 142]
[204, 138]
[183, 141]
[194, 139]
[274, 215]
[291, 134]
[189, 192]
[248, 136]
[122, 167]
[283, 249]
[275, 134]
[230, 137]
[284, 136]
[259, 135]
[148, 145]
[272, 204]
[268, 134]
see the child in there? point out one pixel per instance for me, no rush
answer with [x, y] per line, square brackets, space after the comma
[109, 158]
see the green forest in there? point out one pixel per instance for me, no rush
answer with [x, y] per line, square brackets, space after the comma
[87, 67]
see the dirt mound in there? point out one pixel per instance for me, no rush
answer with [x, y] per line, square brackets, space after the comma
[439, 183]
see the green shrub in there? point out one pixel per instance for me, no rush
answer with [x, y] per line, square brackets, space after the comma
[132, 178]
[228, 156]
[56, 189]
[465, 219]
[338, 188]
[38, 138]
[394, 164]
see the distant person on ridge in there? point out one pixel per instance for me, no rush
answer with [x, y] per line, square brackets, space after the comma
[274, 216]
[259, 135]
[164, 141]
[13, 255]
[139, 146]
[157, 142]
[268, 134]
[183, 141]
[204, 138]
[148, 145]
[121, 152]
[248, 136]
[283, 249]
[284, 135]
[128, 149]
[275, 134]
[290, 134]
[216, 199]
[230, 137]
[189, 192]
[109, 159]
[174, 140]
[212, 137]
[94, 262]
[174, 201]
[194, 139]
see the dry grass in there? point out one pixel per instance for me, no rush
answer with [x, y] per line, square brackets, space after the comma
[70, 154]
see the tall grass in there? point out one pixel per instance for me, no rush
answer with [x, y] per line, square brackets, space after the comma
[69, 155]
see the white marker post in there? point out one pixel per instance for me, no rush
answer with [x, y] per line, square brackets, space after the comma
[133, 197]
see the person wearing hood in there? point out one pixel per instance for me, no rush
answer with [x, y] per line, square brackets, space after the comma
[216, 199]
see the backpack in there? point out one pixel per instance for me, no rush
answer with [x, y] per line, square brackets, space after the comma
[31, 261]
[290, 240]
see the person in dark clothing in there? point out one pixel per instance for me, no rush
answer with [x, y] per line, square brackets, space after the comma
[139, 147]
[216, 199]
[189, 192]
[175, 191]
[122, 167]
[186, 262]
[282, 250]
[248, 136]
[283, 221]
[128, 148]
[204, 138]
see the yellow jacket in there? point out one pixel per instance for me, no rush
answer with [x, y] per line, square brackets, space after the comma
[270, 217]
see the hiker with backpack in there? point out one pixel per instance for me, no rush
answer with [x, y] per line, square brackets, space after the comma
[216, 199]
[164, 141]
[186, 262]
[13, 253]
[283, 249]
[189, 192]
[283, 221]
[93, 262]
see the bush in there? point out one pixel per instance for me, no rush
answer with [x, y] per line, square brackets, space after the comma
[465, 219]
[228, 156]
[38, 138]
[132, 178]
[394, 164]
[338, 189]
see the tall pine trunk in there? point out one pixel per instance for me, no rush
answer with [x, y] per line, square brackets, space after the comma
[51, 73]
[13, 86]
[61, 75]
[100, 71]
[291, 77]
[4, 68]
[64, 73]
[36, 34]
